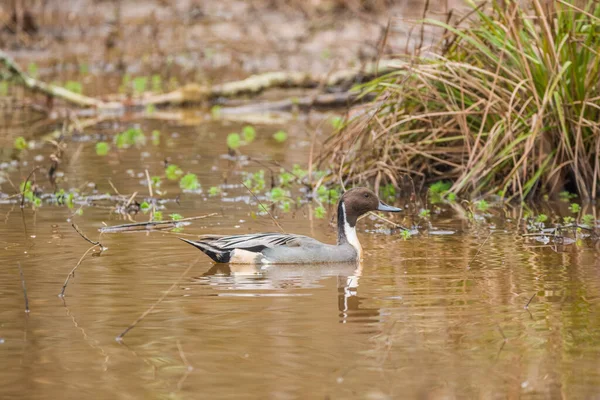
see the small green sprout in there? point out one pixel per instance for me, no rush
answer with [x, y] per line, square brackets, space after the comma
[588, 219]
[150, 109]
[189, 182]
[234, 141]
[277, 194]
[102, 148]
[3, 88]
[156, 82]
[173, 172]
[574, 208]
[249, 133]
[405, 234]
[337, 123]
[424, 213]
[20, 143]
[74, 86]
[176, 217]
[280, 136]
[158, 216]
[145, 206]
[139, 84]
[568, 220]
[155, 137]
[214, 191]
[32, 69]
[482, 205]
[215, 112]
[540, 219]
[320, 212]
[156, 181]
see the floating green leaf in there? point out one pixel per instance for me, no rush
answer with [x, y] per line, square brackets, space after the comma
[249, 133]
[173, 172]
[234, 141]
[74, 87]
[189, 182]
[20, 143]
[280, 136]
[176, 217]
[214, 191]
[102, 148]
[320, 212]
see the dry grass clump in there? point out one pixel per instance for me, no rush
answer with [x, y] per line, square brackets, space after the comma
[509, 104]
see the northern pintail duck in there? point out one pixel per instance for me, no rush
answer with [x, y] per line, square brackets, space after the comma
[285, 248]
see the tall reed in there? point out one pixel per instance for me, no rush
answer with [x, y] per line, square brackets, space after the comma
[508, 103]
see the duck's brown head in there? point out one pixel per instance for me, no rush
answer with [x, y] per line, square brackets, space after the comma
[358, 201]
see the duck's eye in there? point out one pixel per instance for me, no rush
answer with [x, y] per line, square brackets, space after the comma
[366, 195]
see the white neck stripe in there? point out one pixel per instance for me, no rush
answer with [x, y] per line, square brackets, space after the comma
[350, 232]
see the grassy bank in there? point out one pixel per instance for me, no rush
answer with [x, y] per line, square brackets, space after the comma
[508, 103]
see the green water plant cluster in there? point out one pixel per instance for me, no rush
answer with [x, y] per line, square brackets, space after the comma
[236, 140]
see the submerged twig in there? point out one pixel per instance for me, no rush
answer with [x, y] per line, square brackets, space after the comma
[72, 273]
[24, 288]
[394, 225]
[25, 186]
[479, 250]
[86, 238]
[150, 225]
[264, 208]
[153, 306]
[529, 302]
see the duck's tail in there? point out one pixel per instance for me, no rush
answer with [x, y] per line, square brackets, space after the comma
[217, 254]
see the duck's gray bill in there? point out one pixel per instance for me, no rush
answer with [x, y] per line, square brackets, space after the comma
[385, 207]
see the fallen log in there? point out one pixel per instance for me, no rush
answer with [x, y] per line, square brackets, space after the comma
[195, 94]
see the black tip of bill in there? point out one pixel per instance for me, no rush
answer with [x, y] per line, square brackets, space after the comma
[385, 207]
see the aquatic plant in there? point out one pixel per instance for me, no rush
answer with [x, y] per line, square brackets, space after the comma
[139, 84]
[234, 141]
[280, 136]
[508, 104]
[189, 182]
[130, 137]
[74, 86]
[176, 217]
[173, 172]
[214, 191]
[156, 137]
[102, 148]
[20, 143]
[249, 133]
[320, 212]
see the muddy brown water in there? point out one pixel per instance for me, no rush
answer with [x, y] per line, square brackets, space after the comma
[410, 322]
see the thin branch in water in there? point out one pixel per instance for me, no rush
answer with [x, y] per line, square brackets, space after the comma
[479, 250]
[151, 225]
[264, 208]
[394, 225]
[153, 306]
[102, 248]
[25, 186]
[530, 300]
[24, 288]
[72, 273]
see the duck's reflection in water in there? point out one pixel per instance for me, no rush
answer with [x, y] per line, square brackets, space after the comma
[258, 280]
